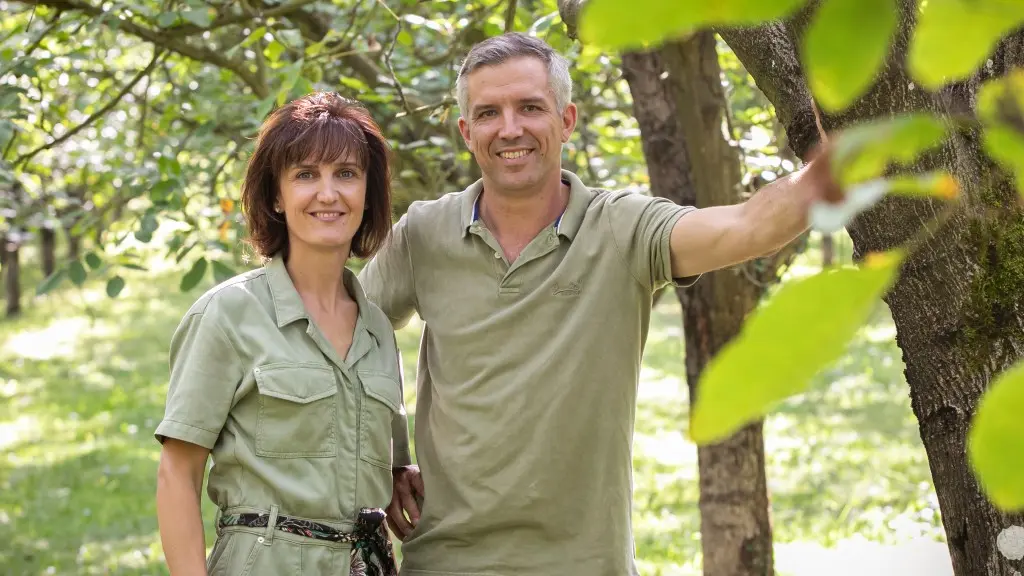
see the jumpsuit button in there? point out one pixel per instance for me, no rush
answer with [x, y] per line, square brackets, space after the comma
[497, 254]
[260, 539]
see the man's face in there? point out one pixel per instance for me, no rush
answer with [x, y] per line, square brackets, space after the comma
[513, 127]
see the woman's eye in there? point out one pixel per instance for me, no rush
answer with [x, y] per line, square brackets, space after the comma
[304, 175]
[348, 174]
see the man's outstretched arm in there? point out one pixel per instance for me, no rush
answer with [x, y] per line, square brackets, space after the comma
[721, 236]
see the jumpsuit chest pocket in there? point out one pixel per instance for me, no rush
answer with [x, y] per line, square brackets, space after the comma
[382, 400]
[298, 411]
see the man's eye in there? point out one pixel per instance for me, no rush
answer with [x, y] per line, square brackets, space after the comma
[487, 113]
[531, 108]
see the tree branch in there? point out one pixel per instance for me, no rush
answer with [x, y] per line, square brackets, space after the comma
[227, 20]
[54, 22]
[157, 54]
[177, 45]
[387, 58]
[510, 16]
[769, 56]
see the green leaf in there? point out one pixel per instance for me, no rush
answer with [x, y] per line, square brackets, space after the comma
[273, 51]
[953, 37]
[404, 38]
[6, 131]
[865, 151]
[194, 275]
[114, 286]
[543, 24]
[939, 184]
[182, 252]
[1001, 110]
[149, 223]
[355, 84]
[288, 76]
[619, 25]
[201, 17]
[132, 266]
[167, 19]
[249, 40]
[147, 226]
[996, 440]
[169, 167]
[802, 329]
[51, 282]
[93, 260]
[845, 47]
[222, 272]
[77, 273]
[163, 189]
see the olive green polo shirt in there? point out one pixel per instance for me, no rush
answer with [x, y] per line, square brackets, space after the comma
[291, 426]
[527, 379]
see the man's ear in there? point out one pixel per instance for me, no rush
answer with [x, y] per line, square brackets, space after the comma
[569, 116]
[464, 130]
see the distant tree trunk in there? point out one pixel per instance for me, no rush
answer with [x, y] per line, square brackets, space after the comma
[74, 241]
[959, 302]
[691, 163]
[48, 239]
[12, 275]
[828, 250]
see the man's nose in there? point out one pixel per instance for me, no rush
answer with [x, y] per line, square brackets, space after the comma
[510, 127]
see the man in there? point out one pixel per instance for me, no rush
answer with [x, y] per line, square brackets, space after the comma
[536, 295]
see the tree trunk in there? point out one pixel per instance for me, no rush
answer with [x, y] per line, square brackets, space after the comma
[48, 238]
[828, 250]
[691, 163]
[12, 276]
[959, 302]
[74, 242]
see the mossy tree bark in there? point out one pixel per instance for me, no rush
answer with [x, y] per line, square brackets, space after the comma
[959, 303]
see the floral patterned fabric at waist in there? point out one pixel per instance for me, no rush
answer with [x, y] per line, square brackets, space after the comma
[372, 554]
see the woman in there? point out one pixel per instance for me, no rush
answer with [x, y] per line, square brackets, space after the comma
[286, 376]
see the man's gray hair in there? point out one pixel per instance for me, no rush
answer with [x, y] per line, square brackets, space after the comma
[499, 49]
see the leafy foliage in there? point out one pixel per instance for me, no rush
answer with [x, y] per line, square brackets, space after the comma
[800, 331]
[845, 49]
[1001, 107]
[976, 24]
[837, 74]
[996, 435]
[618, 25]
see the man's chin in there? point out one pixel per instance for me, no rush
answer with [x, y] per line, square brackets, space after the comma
[516, 182]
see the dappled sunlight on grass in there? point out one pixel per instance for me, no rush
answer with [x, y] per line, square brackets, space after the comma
[844, 459]
[89, 374]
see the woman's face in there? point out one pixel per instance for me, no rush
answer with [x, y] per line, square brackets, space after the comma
[322, 204]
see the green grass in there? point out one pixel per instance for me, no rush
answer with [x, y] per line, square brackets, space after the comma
[82, 383]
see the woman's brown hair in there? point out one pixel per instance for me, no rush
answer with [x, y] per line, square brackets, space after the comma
[319, 128]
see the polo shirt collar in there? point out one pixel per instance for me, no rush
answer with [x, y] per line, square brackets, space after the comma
[288, 306]
[568, 222]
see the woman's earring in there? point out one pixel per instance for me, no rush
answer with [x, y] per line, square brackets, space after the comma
[277, 208]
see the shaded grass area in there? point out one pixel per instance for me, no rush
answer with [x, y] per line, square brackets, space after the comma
[844, 459]
[82, 384]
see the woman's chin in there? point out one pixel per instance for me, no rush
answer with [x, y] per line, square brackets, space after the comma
[328, 244]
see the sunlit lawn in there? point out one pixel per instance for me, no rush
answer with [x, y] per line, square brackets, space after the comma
[80, 396]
